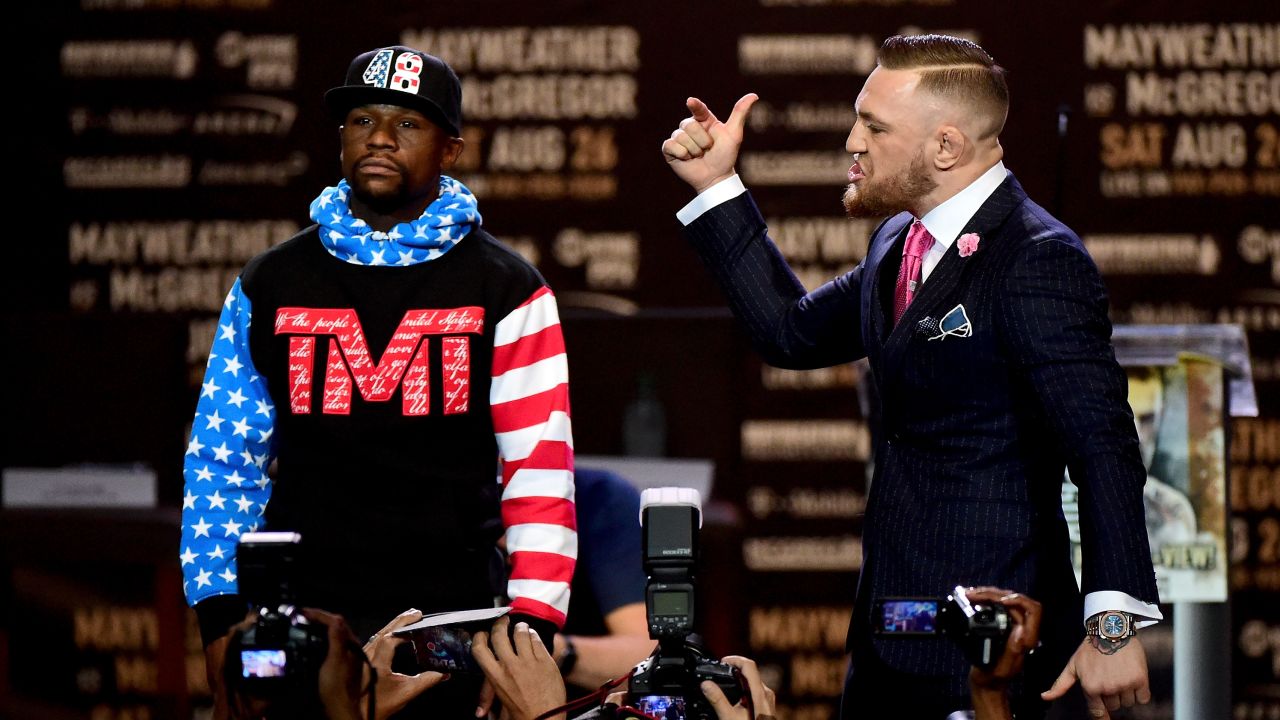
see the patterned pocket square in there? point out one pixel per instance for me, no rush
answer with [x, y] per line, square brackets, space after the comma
[955, 323]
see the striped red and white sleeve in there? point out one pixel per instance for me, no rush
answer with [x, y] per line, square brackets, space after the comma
[529, 400]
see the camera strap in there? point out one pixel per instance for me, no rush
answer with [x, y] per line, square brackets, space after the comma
[595, 698]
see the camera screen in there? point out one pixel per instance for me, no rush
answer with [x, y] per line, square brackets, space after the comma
[670, 707]
[909, 616]
[670, 603]
[262, 663]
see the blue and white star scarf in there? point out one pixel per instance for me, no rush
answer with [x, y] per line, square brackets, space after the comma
[442, 225]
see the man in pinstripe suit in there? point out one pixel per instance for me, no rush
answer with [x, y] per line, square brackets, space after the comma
[985, 323]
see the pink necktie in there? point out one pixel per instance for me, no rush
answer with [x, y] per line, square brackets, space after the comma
[918, 243]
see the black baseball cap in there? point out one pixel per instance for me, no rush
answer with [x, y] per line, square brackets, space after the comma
[400, 75]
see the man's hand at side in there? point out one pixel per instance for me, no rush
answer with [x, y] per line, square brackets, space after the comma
[703, 150]
[1110, 682]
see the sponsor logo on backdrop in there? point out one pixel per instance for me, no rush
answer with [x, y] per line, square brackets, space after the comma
[1154, 254]
[232, 115]
[1261, 246]
[129, 59]
[127, 171]
[835, 553]
[127, 121]
[825, 168]
[1258, 311]
[276, 173]
[611, 259]
[1261, 641]
[805, 440]
[801, 116]
[804, 503]
[270, 61]
[808, 54]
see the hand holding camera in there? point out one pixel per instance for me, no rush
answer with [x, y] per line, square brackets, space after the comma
[762, 697]
[520, 670]
[395, 690]
[989, 685]
[1023, 638]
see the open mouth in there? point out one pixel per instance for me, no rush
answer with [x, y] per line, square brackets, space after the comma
[855, 172]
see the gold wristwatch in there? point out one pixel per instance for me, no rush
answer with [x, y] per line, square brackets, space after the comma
[1111, 626]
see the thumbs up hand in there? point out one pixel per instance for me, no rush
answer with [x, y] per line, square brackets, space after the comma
[703, 150]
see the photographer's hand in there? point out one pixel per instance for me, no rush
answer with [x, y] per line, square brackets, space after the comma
[520, 670]
[341, 678]
[395, 690]
[762, 698]
[990, 687]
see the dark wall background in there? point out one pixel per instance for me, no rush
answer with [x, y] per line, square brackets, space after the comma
[155, 145]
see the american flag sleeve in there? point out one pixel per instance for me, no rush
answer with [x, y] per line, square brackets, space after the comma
[529, 401]
[226, 485]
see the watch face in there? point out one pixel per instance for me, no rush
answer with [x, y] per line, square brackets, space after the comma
[1114, 625]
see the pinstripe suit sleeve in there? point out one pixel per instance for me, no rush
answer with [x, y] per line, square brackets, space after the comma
[1054, 323]
[788, 327]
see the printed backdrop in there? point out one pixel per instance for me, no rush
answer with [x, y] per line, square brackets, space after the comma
[162, 143]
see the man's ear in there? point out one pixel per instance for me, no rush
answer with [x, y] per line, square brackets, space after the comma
[452, 151]
[951, 145]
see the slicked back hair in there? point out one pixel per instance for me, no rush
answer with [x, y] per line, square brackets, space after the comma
[954, 69]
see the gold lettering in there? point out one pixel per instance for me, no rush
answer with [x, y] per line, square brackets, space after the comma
[135, 674]
[817, 675]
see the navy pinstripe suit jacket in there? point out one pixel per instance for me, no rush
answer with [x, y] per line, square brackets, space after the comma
[974, 432]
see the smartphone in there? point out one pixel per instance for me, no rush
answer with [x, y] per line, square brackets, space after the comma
[442, 641]
[905, 616]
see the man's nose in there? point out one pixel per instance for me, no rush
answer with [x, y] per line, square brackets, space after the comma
[855, 143]
[382, 135]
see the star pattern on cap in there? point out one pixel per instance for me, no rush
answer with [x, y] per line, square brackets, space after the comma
[227, 489]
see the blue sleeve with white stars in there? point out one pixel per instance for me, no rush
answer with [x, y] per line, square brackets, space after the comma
[224, 469]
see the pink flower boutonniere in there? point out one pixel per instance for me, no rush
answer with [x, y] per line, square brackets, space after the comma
[968, 243]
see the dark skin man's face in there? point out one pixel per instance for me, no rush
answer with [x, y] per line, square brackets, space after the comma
[392, 157]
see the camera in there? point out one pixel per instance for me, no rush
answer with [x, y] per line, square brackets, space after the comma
[981, 630]
[666, 684]
[281, 653]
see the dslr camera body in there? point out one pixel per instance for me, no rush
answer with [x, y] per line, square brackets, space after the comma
[981, 630]
[667, 683]
[280, 655]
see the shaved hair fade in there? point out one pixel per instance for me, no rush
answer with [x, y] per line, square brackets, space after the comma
[955, 70]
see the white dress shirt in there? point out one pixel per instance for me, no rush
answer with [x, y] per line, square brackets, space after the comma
[944, 223]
